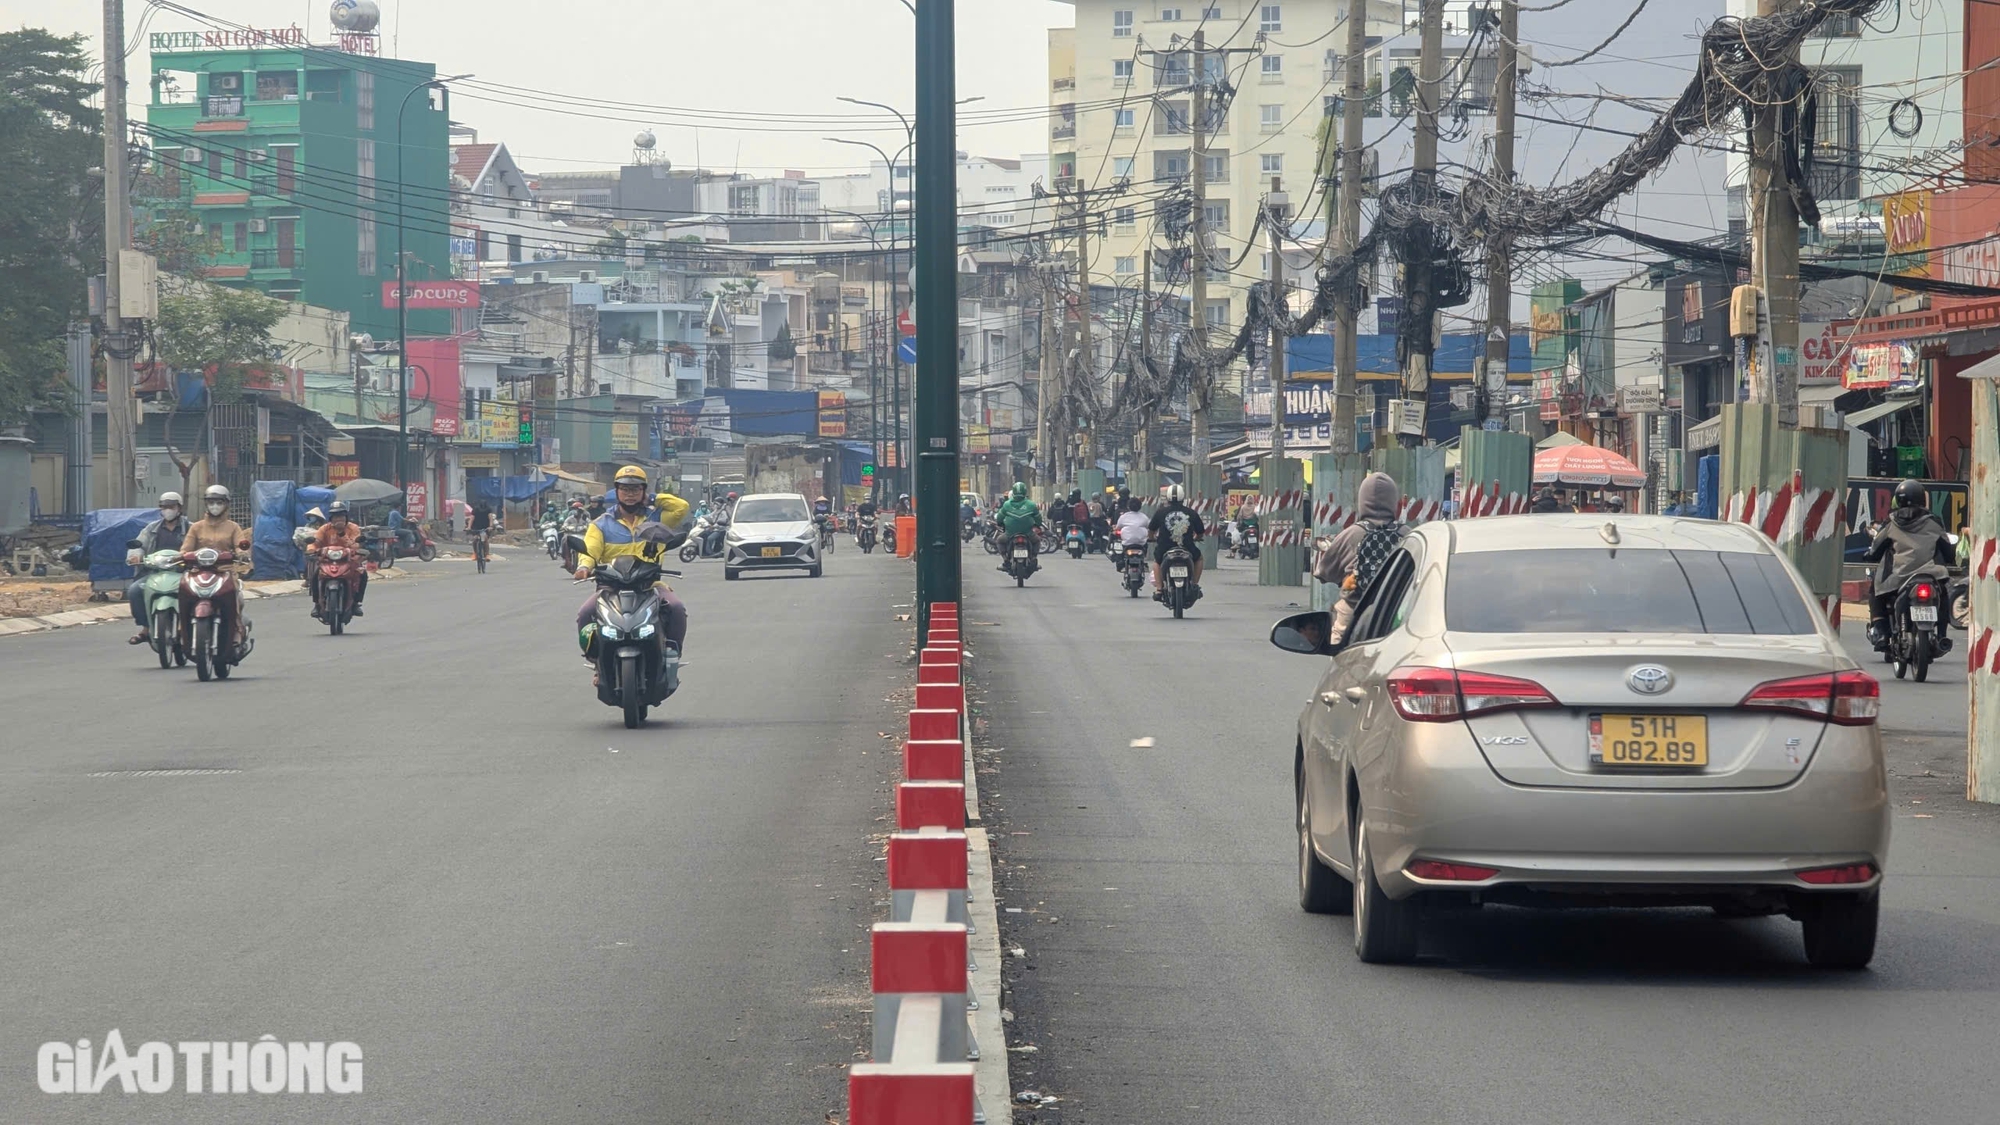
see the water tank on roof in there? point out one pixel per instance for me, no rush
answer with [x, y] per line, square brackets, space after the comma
[355, 16]
[645, 139]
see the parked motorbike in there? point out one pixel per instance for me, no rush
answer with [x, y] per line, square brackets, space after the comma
[1019, 561]
[1961, 603]
[339, 587]
[379, 544]
[208, 591]
[993, 539]
[160, 585]
[1177, 571]
[411, 539]
[636, 670]
[1075, 542]
[1918, 624]
[1131, 560]
[889, 536]
[864, 534]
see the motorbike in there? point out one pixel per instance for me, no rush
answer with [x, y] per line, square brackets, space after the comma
[992, 540]
[552, 540]
[160, 585]
[968, 530]
[1131, 560]
[1019, 561]
[1075, 542]
[1246, 544]
[339, 587]
[889, 536]
[826, 529]
[1919, 623]
[570, 533]
[1961, 603]
[697, 545]
[1177, 571]
[379, 544]
[864, 534]
[425, 548]
[636, 670]
[208, 592]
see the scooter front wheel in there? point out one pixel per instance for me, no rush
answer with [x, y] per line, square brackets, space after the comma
[204, 647]
[629, 692]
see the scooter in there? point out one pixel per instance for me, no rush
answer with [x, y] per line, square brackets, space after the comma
[1177, 571]
[339, 587]
[636, 670]
[864, 534]
[1018, 561]
[1246, 544]
[425, 549]
[1075, 542]
[208, 593]
[889, 536]
[552, 540]
[968, 530]
[697, 545]
[160, 585]
[1919, 624]
[1131, 560]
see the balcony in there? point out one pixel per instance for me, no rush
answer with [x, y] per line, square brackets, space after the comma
[225, 106]
[1065, 132]
[293, 259]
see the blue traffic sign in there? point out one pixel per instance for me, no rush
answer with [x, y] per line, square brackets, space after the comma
[907, 350]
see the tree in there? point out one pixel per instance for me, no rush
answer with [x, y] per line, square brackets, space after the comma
[218, 331]
[51, 215]
[783, 347]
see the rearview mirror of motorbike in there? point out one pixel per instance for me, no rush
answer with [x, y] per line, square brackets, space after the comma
[133, 544]
[1304, 633]
[574, 543]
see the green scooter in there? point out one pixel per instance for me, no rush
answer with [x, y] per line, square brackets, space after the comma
[161, 586]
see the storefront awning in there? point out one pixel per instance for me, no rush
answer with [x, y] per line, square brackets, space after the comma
[1705, 435]
[1820, 395]
[1879, 411]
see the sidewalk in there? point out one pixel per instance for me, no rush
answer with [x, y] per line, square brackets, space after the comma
[119, 611]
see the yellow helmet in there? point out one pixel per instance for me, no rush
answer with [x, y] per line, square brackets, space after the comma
[629, 472]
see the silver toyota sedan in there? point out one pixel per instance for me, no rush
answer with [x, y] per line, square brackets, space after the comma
[1573, 710]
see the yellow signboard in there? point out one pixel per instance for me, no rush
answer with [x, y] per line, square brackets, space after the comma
[978, 438]
[1906, 230]
[624, 437]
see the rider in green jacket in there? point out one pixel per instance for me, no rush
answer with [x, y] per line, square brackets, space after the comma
[1019, 515]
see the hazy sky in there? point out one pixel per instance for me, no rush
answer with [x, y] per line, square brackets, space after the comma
[731, 59]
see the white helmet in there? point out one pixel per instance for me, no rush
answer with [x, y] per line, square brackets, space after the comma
[216, 492]
[173, 498]
[1176, 494]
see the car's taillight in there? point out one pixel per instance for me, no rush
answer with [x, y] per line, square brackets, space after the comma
[1834, 876]
[1852, 698]
[1924, 591]
[1440, 695]
[1451, 872]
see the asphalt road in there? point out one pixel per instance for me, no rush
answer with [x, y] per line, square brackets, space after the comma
[441, 847]
[1169, 975]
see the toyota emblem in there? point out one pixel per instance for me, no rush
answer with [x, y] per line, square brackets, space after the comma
[1650, 679]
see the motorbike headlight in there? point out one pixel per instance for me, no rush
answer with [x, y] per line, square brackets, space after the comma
[608, 633]
[645, 631]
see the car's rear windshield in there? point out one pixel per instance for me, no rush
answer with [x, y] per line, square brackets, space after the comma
[1622, 591]
[782, 510]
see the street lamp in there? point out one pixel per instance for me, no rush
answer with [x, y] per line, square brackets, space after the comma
[402, 284]
[874, 383]
[895, 373]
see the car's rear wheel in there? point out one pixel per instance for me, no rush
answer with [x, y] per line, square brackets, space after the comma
[1321, 889]
[1385, 931]
[1840, 930]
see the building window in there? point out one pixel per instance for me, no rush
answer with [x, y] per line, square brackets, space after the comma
[1215, 167]
[1271, 118]
[1125, 216]
[1170, 165]
[1211, 13]
[286, 159]
[214, 163]
[1215, 215]
[1121, 72]
[1837, 27]
[1121, 24]
[1217, 313]
[364, 169]
[1123, 120]
[1126, 266]
[1170, 15]
[1836, 169]
[237, 167]
[1273, 18]
[1271, 163]
[1172, 119]
[1172, 70]
[1121, 167]
[1273, 68]
[364, 99]
[241, 237]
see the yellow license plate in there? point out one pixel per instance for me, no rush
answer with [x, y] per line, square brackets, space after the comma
[1653, 741]
[773, 552]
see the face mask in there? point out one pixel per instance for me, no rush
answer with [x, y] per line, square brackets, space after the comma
[216, 508]
[170, 514]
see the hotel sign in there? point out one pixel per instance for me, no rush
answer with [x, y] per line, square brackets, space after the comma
[223, 39]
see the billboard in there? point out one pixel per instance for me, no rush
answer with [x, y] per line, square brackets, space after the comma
[432, 295]
[832, 414]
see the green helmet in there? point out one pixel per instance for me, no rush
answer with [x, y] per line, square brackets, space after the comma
[1020, 491]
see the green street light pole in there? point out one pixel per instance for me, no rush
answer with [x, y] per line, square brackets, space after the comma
[935, 421]
[403, 280]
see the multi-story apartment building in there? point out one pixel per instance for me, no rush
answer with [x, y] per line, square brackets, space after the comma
[287, 159]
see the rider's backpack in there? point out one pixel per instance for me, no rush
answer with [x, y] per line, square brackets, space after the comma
[1376, 546]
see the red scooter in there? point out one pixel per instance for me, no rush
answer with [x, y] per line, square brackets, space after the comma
[340, 571]
[209, 590]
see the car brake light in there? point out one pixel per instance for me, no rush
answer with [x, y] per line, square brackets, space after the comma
[1833, 876]
[1852, 698]
[1453, 872]
[1924, 591]
[1440, 695]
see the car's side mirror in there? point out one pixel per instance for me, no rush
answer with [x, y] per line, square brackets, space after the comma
[1305, 633]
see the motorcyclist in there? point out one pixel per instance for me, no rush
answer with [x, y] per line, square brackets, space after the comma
[215, 530]
[1100, 523]
[967, 514]
[302, 538]
[718, 525]
[1079, 512]
[822, 514]
[1133, 528]
[162, 534]
[340, 530]
[619, 532]
[903, 506]
[1910, 542]
[1019, 515]
[865, 510]
[1176, 526]
[1349, 560]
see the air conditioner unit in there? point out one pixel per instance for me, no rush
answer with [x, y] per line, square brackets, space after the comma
[586, 276]
[259, 226]
[229, 82]
[190, 156]
[539, 277]
[256, 156]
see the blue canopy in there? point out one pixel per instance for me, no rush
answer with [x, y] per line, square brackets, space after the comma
[105, 533]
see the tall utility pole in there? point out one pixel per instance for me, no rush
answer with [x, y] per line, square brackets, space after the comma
[120, 439]
[1419, 289]
[1774, 255]
[1204, 379]
[1346, 356]
[1149, 422]
[1492, 391]
[1274, 204]
[935, 418]
[1086, 354]
[1045, 460]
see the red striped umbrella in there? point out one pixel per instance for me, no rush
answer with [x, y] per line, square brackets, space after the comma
[1586, 465]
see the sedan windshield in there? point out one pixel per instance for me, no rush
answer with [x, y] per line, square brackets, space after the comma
[774, 510]
[1628, 591]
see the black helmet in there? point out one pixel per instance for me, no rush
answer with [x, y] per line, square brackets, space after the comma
[337, 508]
[1911, 494]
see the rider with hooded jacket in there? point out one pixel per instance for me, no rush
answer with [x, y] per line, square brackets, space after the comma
[1910, 542]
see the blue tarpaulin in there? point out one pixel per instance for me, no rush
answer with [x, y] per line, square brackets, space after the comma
[273, 515]
[771, 413]
[1375, 356]
[1708, 486]
[490, 490]
[105, 533]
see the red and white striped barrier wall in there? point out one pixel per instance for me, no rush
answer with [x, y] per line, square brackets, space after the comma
[1792, 514]
[1983, 565]
[1489, 500]
[921, 1070]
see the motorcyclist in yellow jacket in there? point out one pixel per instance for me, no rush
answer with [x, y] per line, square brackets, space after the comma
[618, 532]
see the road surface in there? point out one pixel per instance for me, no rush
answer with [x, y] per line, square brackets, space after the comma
[441, 847]
[1170, 975]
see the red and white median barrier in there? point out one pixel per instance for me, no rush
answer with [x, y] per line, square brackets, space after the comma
[922, 1071]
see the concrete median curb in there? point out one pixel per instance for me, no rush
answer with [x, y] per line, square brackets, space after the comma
[935, 966]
